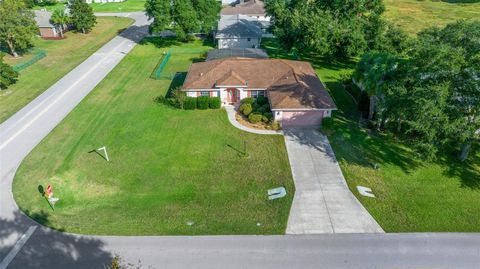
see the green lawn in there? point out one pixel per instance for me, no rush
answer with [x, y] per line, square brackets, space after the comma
[168, 166]
[126, 6]
[412, 195]
[415, 15]
[62, 57]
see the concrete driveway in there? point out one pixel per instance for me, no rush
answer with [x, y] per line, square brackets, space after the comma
[322, 202]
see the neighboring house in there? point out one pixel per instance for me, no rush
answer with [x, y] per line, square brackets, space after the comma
[236, 52]
[103, 1]
[238, 31]
[252, 8]
[46, 28]
[296, 95]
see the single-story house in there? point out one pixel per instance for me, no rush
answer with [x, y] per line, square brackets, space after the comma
[238, 31]
[296, 95]
[46, 28]
[252, 8]
[236, 52]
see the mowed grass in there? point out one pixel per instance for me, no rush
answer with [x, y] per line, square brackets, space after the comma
[412, 195]
[168, 167]
[62, 56]
[125, 6]
[415, 15]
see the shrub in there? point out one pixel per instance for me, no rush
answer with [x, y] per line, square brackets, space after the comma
[202, 102]
[179, 97]
[214, 102]
[255, 107]
[255, 117]
[248, 100]
[327, 123]
[276, 126]
[262, 100]
[245, 109]
[190, 103]
[265, 119]
[268, 115]
[263, 109]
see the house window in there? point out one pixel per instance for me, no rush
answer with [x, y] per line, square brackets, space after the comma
[204, 93]
[249, 39]
[256, 94]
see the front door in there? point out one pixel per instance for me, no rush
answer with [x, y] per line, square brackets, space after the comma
[232, 95]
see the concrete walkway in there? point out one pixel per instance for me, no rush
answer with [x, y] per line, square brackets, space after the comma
[323, 202]
[231, 117]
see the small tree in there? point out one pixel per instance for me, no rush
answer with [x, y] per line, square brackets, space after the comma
[179, 96]
[60, 18]
[8, 76]
[82, 16]
[17, 26]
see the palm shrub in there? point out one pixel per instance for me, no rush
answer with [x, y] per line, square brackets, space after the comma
[203, 102]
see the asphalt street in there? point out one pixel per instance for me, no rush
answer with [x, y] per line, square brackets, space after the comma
[26, 244]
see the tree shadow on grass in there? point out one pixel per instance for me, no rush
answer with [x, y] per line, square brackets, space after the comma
[160, 42]
[47, 248]
[367, 148]
[177, 81]
[467, 171]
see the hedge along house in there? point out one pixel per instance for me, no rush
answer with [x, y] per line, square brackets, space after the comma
[296, 95]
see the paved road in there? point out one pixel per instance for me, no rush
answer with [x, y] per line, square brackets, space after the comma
[322, 202]
[38, 247]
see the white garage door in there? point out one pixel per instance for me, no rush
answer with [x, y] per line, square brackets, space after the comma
[302, 118]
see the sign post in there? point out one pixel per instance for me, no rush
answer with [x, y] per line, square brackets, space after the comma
[49, 195]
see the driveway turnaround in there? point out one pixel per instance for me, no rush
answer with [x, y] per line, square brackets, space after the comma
[322, 202]
[27, 244]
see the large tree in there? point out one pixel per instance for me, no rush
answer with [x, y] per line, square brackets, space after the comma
[8, 76]
[207, 13]
[82, 16]
[160, 12]
[330, 27]
[183, 16]
[17, 26]
[60, 18]
[435, 91]
[185, 19]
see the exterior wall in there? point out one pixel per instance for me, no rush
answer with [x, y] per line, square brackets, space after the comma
[301, 118]
[225, 43]
[48, 32]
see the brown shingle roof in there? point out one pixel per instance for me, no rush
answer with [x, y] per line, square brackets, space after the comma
[251, 7]
[289, 84]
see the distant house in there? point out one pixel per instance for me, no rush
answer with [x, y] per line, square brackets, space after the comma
[238, 31]
[252, 8]
[46, 28]
[296, 95]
